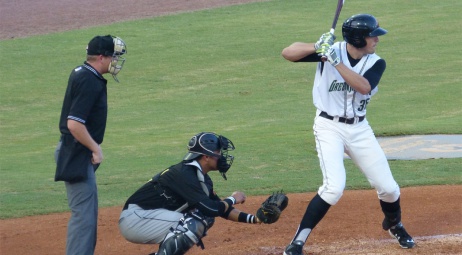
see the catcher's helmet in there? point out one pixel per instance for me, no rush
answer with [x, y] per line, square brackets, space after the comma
[211, 144]
[356, 28]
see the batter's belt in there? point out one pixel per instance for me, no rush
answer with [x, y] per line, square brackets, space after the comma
[342, 119]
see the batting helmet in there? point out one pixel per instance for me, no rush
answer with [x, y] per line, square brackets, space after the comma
[356, 28]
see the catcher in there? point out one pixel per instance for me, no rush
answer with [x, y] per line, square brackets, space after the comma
[178, 206]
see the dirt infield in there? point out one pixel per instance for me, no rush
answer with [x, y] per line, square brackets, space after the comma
[433, 214]
[22, 18]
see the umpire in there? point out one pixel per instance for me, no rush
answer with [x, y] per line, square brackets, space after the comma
[82, 126]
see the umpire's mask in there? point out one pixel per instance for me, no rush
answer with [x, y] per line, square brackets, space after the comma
[117, 62]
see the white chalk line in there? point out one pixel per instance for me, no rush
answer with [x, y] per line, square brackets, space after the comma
[368, 241]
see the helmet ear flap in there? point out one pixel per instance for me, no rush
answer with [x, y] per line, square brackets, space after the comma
[359, 39]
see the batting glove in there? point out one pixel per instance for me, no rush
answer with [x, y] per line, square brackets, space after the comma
[322, 49]
[326, 40]
[331, 55]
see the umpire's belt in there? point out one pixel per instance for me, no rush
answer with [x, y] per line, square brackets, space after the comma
[341, 119]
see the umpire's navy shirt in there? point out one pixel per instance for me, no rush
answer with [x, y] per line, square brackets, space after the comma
[85, 101]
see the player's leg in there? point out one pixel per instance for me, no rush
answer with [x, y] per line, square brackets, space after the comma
[329, 137]
[147, 226]
[192, 228]
[330, 148]
[370, 158]
[82, 226]
[366, 153]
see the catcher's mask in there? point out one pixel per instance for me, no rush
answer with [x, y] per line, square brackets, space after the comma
[207, 143]
[109, 45]
[356, 28]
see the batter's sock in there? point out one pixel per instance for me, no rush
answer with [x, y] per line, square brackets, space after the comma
[315, 211]
[392, 212]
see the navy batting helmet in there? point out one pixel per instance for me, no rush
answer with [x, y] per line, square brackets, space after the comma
[356, 28]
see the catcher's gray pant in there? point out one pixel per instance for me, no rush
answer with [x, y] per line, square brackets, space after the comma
[147, 226]
[82, 199]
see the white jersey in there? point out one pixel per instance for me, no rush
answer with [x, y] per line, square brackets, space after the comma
[333, 95]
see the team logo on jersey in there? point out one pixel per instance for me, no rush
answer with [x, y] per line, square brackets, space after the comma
[339, 86]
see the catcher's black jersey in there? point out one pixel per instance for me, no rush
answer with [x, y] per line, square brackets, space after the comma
[176, 186]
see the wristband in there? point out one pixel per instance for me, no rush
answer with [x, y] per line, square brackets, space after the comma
[246, 218]
[230, 201]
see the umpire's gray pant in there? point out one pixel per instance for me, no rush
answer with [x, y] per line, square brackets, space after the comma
[82, 198]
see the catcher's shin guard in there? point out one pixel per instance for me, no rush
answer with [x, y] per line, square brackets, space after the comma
[189, 232]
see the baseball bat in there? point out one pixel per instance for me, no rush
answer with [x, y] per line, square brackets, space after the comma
[334, 22]
[337, 14]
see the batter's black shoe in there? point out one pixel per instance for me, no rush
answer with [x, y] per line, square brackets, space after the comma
[295, 248]
[404, 239]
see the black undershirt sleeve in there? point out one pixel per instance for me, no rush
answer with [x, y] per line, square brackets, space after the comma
[374, 74]
[310, 58]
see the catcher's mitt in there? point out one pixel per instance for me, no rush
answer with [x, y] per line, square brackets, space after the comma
[272, 208]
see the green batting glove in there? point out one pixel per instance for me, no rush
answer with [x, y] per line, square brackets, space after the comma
[332, 57]
[322, 49]
[326, 38]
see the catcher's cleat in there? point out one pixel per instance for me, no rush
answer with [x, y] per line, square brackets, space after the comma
[295, 248]
[404, 239]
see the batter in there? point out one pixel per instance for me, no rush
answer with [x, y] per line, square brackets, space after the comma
[343, 87]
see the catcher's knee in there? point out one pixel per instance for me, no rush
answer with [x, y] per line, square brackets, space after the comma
[189, 232]
[198, 224]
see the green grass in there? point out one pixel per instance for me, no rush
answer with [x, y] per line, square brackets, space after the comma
[221, 70]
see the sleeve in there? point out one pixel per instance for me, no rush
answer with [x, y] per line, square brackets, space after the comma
[310, 58]
[374, 74]
[186, 185]
[84, 95]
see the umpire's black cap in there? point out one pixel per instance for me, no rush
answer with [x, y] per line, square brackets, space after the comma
[101, 45]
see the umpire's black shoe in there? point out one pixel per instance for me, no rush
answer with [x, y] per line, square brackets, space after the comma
[295, 248]
[404, 239]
